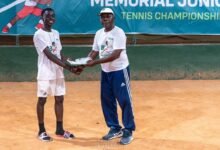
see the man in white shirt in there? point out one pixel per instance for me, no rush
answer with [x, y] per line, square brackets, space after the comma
[30, 7]
[50, 77]
[110, 44]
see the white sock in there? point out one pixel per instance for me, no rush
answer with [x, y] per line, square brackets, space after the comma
[41, 21]
[9, 25]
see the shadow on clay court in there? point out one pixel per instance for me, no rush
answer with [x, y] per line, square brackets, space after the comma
[91, 142]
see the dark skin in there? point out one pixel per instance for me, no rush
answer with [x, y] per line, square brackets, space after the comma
[107, 20]
[49, 19]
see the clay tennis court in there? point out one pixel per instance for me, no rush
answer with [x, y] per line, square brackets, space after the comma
[170, 115]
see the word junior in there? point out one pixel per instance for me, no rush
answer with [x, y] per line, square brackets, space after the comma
[198, 3]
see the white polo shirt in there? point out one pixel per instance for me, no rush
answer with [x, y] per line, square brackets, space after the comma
[106, 42]
[48, 70]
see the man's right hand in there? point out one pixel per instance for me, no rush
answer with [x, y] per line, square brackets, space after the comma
[77, 69]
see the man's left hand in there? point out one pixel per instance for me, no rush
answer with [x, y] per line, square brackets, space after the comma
[90, 63]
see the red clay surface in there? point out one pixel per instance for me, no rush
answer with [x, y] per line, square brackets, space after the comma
[170, 115]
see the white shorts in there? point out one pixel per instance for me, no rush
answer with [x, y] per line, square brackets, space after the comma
[51, 87]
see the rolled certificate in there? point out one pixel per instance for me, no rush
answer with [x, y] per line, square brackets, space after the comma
[79, 61]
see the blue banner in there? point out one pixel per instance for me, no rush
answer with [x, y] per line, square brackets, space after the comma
[169, 17]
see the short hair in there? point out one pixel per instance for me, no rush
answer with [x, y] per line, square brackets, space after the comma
[46, 9]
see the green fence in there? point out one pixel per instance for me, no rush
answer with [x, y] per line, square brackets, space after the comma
[164, 62]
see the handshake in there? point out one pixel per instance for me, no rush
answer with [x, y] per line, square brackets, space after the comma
[76, 66]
